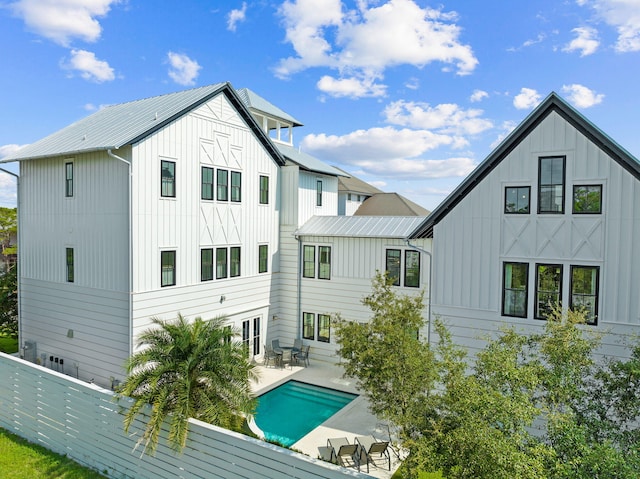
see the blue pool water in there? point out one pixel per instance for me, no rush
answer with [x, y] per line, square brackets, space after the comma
[290, 411]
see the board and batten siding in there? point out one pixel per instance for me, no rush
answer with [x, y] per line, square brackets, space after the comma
[307, 201]
[473, 241]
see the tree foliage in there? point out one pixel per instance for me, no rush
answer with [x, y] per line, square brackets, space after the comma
[9, 302]
[187, 370]
[8, 226]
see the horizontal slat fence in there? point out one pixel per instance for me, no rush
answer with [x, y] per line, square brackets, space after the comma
[85, 422]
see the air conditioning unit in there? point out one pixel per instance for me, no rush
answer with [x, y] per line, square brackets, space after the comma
[30, 351]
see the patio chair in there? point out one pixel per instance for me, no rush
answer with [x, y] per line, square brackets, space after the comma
[369, 448]
[286, 357]
[297, 345]
[275, 344]
[303, 355]
[343, 453]
[269, 355]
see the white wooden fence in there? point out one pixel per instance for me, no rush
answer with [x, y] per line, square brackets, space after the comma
[85, 422]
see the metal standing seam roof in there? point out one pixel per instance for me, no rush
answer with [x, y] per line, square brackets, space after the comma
[308, 162]
[360, 226]
[252, 100]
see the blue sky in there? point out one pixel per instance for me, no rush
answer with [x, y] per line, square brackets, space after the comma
[409, 95]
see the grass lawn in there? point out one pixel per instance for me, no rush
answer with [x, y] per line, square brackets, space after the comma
[8, 345]
[20, 459]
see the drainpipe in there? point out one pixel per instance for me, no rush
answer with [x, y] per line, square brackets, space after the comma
[299, 285]
[129, 199]
[19, 276]
[417, 248]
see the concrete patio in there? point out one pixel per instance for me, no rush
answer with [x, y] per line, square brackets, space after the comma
[351, 421]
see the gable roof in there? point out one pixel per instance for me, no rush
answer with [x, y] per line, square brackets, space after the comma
[353, 184]
[128, 123]
[553, 103]
[390, 204]
[256, 102]
[360, 226]
[306, 161]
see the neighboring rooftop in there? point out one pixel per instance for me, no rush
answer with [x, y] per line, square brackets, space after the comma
[352, 184]
[390, 204]
[360, 226]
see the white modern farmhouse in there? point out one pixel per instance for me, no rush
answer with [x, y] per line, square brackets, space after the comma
[196, 203]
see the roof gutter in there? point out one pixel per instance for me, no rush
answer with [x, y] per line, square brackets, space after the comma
[417, 248]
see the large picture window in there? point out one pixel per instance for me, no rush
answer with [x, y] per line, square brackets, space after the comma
[551, 178]
[207, 183]
[308, 325]
[412, 269]
[221, 263]
[264, 190]
[392, 265]
[309, 261]
[222, 185]
[514, 292]
[548, 289]
[234, 261]
[587, 199]
[324, 328]
[584, 291]
[168, 268]
[236, 186]
[206, 264]
[168, 179]
[324, 262]
[516, 199]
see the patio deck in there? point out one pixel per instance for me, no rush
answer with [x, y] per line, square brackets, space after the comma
[353, 420]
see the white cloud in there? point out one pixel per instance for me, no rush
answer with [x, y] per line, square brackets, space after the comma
[351, 87]
[412, 83]
[478, 95]
[362, 43]
[526, 99]
[6, 150]
[586, 41]
[446, 117]
[236, 16]
[184, 70]
[89, 66]
[8, 190]
[581, 96]
[62, 20]
[624, 16]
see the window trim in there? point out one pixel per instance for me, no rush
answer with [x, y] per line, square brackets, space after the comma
[263, 262]
[536, 310]
[163, 254]
[202, 270]
[163, 182]
[593, 321]
[327, 264]
[327, 338]
[573, 199]
[68, 179]
[209, 185]
[516, 212]
[263, 196]
[504, 289]
[564, 184]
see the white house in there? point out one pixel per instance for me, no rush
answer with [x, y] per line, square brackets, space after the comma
[552, 215]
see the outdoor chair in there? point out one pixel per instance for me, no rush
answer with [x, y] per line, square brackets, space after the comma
[297, 345]
[275, 344]
[269, 355]
[286, 357]
[303, 355]
[371, 450]
[343, 453]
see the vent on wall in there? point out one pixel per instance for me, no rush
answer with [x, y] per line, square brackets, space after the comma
[30, 352]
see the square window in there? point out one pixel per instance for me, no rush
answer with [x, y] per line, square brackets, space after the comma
[68, 180]
[221, 263]
[324, 262]
[324, 328]
[236, 186]
[70, 266]
[515, 292]
[206, 264]
[392, 266]
[551, 177]
[585, 290]
[308, 325]
[587, 199]
[309, 262]
[168, 179]
[168, 268]
[207, 183]
[264, 190]
[234, 261]
[516, 199]
[412, 269]
[548, 289]
[263, 258]
[222, 182]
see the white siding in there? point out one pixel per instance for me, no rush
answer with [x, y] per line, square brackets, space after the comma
[307, 206]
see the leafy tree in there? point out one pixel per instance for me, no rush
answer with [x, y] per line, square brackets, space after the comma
[9, 302]
[8, 226]
[187, 370]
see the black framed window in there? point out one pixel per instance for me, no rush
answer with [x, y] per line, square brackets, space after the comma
[168, 179]
[548, 289]
[308, 325]
[587, 199]
[246, 331]
[318, 192]
[264, 190]
[234, 261]
[256, 335]
[221, 263]
[308, 261]
[68, 180]
[515, 290]
[263, 258]
[392, 265]
[222, 185]
[167, 268]
[206, 264]
[585, 285]
[70, 265]
[207, 183]
[236, 186]
[551, 177]
[324, 328]
[324, 262]
[412, 269]
[517, 199]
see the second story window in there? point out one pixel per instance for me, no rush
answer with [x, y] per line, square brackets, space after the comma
[392, 265]
[318, 192]
[514, 289]
[221, 263]
[168, 179]
[412, 269]
[263, 258]
[207, 183]
[168, 268]
[324, 262]
[309, 261]
[236, 186]
[68, 180]
[548, 289]
[70, 266]
[516, 199]
[234, 261]
[551, 178]
[222, 182]
[264, 190]
[206, 264]
[587, 199]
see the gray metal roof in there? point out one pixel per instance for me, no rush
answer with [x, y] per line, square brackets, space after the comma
[256, 102]
[390, 204]
[360, 226]
[308, 162]
[352, 184]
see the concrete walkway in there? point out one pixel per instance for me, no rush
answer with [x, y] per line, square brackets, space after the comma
[351, 421]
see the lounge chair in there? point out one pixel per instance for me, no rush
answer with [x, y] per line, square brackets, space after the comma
[269, 355]
[303, 355]
[343, 453]
[371, 450]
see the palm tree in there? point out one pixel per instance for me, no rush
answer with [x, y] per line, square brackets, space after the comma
[187, 369]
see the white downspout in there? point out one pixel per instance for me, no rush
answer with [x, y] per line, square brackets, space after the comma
[429, 302]
[299, 285]
[112, 155]
[19, 276]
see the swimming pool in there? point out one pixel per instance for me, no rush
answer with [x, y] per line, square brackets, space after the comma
[290, 411]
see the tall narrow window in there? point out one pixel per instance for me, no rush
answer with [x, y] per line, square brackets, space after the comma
[68, 180]
[168, 268]
[234, 261]
[324, 328]
[587, 199]
[207, 183]
[70, 273]
[168, 179]
[393, 265]
[264, 190]
[222, 182]
[206, 264]
[584, 291]
[246, 326]
[516, 199]
[236, 186]
[324, 262]
[308, 326]
[412, 269]
[221, 263]
[551, 185]
[256, 336]
[514, 293]
[309, 262]
[548, 289]
[318, 192]
[263, 258]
